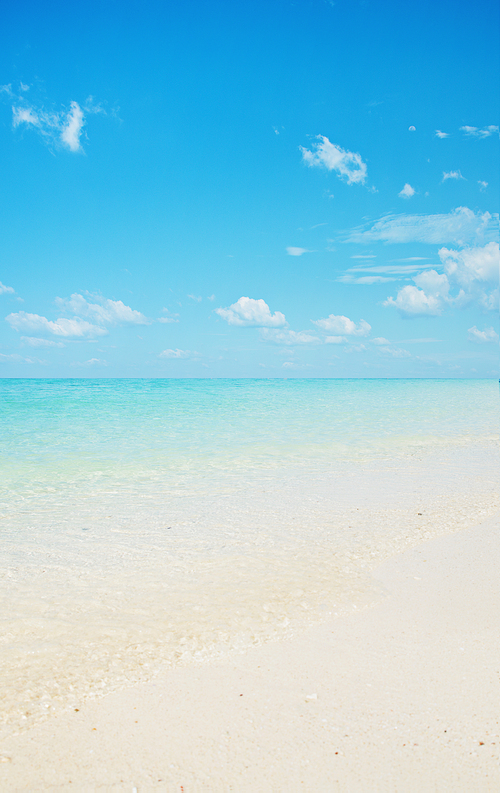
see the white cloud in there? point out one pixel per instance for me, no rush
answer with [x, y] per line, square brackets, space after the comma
[452, 175]
[177, 354]
[91, 362]
[64, 127]
[482, 185]
[482, 336]
[407, 192]
[15, 358]
[394, 352]
[347, 164]
[388, 269]
[4, 290]
[35, 342]
[440, 134]
[196, 298]
[476, 132]
[335, 340]
[471, 272]
[476, 272]
[380, 340]
[364, 279]
[167, 320]
[104, 312]
[412, 129]
[413, 302]
[288, 337]
[250, 313]
[61, 128]
[296, 251]
[343, 326]
[364, 256]
[462, 226]
[72, 128]
[61, 327]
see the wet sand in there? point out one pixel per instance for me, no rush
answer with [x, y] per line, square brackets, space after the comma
[404, 696]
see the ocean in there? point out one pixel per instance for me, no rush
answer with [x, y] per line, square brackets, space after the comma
[150, 523]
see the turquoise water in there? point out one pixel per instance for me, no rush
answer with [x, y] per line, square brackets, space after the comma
[64, 431]
[148, 523]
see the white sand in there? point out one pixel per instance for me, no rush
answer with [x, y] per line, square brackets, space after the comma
[404, 696]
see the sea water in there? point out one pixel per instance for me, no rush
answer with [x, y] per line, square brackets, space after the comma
[148, 523]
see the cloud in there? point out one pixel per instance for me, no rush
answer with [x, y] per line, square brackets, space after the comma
[364, 256]
[482, 336]
[60, 128]
[178, 354]
[394, 352]
[343, 326]
[413, 302]
[475, 271]
[364, 279]
[250, 313]
[462, 226]
[288, 337]
[482, 185]
[6, 290]
[35, 342]
[15, 358]
[440, 134]
[470, 276]
[412, 129]
[348, 165]
[72, 127]
[104, 311]
[452, 175]
[407, 192]
[296, 251]
[167, 320]
[91, 362]
[61, 327]
[476, 132]
[336, 340]
[63, 127]
[196, 298]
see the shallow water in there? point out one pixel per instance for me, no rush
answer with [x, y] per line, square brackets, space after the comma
[147, 523]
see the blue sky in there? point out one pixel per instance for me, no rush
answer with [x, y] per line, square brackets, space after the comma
[284, 189]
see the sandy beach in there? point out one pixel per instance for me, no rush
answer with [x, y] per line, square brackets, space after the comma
[403, 696]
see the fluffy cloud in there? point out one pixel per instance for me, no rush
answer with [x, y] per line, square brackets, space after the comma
[35, 342]
[482, 336]
[462, 226]
[348, 165]
[475, 132]
[177, 354]
[343, 326]
[288, 337]
[476, 272]
[296, 251]
[470, 276]
[413, 302]
[250, 313]
[4, 290]
[440, 134]
[104, 312]
[407, 192]
[61, 327]
[452, 175]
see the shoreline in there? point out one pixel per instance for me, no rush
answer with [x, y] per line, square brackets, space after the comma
[402, 696]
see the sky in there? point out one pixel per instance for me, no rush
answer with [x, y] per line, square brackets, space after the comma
[252, 189]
